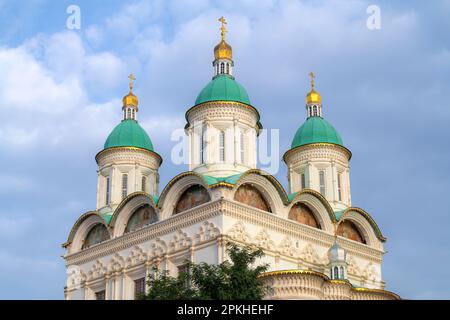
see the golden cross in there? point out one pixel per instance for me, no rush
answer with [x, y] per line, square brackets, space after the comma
[223, 30]
[132, 78]
[312, 76]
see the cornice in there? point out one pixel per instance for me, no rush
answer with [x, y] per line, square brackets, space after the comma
[317, 145]
[215, 208]
[193, 216]
[114, 149]
[327, 280]
[224, 102]
[293, 272]
[379, 291]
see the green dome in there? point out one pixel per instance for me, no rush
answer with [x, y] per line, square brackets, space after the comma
[316, 130]
[129, 133]
[223, 87]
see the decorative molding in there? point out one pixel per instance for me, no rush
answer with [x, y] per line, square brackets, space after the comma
[207, 232]
[309, 254]
[116, 264]
[136, 257]
[128, 155]
[317, 151]
[180, 241]
[238, 232]
[308, 284]
[263, 240]
[286, 247]
[158, 248]
[97, 271]
[222, 207]
[223, 111]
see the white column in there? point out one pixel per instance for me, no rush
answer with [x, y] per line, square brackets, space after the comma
[310, 178]
[235, 144]
[290, 179]
[190, 148]
[334, 181]
[113, 182]
[349, 197]
[124, 287]
[108, 288]
[254, 148]
[99, 175]
[210, 144]
[136, 179]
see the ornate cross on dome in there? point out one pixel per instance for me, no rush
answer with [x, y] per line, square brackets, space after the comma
[223, 30]
[312, 76]
[132, 78]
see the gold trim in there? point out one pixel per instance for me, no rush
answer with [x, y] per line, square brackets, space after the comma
[175, 179]
[294, 271]
[124, 202]
[129, 148]
[226, 102]
[327, 279]
[318, 144]
[335, 281]
[368, 218]
[222, 184]
[321, 198]
[271, 178]
[381, 291]
[77, 224]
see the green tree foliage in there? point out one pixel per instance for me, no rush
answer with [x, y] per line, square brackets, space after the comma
[230, 280]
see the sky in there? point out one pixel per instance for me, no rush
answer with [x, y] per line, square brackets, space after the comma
[385, 90]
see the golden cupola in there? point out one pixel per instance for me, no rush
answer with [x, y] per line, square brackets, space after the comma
[313, 100]
[223, 54]
[223, 50]
[130, 100]
[313, 96]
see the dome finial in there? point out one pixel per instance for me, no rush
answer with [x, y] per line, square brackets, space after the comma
[223, 53]
[130, 101]
[132, 78]
[312, 76]
[223, 29]
[313, 97]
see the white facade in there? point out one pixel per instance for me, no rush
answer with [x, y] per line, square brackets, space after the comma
[222, 138]
[323, 168]
[223, 198]
[127, 170]
[200, 235]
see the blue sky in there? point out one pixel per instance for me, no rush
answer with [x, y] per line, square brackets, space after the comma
[386, 91]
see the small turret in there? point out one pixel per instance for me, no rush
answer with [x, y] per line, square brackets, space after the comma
[338, 264]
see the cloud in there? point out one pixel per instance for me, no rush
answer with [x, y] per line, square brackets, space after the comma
[58, 92]
[25, 264]
[14, 183]
[385, 92]
[13, 227]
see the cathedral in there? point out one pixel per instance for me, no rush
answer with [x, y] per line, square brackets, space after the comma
[317, 244]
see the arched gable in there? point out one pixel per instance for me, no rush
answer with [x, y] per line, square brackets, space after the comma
[175, 188]
[127, 207]
[319, 205]
[81, 228]
[249, 195]
[143, 216]
[275, 183]
[192, 197]
[349, 230]
[268, 186]
[365, 224]
[96, 234]
[302, 213]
